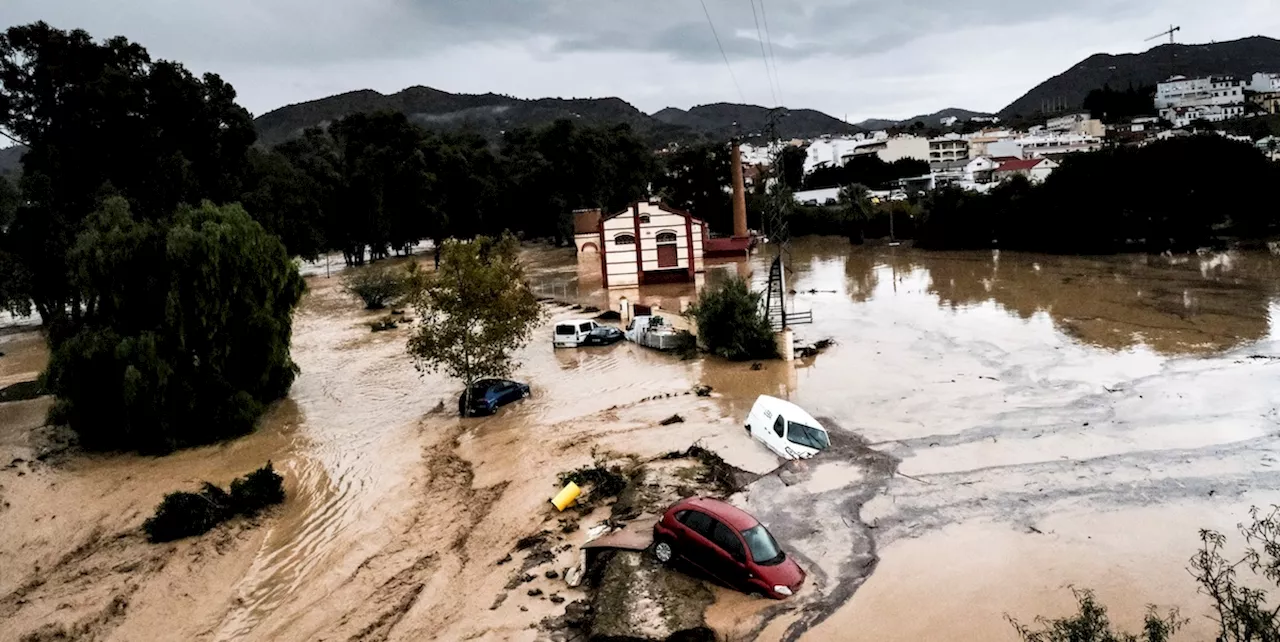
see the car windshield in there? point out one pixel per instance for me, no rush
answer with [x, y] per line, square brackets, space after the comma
[807, 436]
[764, 550]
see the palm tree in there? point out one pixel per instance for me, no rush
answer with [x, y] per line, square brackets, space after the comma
[856, 211]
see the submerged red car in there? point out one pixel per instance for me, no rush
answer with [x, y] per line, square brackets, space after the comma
[728, 544]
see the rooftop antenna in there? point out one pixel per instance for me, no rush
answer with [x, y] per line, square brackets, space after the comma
[1172, 30]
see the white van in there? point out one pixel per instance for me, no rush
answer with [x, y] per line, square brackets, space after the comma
[786, 429]
[572, 333]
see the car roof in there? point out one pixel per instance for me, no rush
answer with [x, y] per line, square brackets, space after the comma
[787, 409]
[731, 515]
[573, 321]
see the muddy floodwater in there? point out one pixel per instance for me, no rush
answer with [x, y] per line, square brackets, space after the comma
[1004, 426]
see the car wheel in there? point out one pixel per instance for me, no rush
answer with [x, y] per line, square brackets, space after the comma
[663, 550]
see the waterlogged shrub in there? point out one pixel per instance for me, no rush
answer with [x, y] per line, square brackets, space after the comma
[182, 514]
[1090, 624]
[732, 324]
[377, 286]
[259, 489]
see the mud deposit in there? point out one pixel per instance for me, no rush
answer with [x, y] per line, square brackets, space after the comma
[1005, 425]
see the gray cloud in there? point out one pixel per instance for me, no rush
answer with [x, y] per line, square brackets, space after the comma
[861, 57]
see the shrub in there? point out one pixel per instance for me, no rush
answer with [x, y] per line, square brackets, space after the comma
[377, 286]
[1090, 624]
[732, 324]
[259, 489]
[182, 514]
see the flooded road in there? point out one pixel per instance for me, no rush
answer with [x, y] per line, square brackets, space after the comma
[1009, 425]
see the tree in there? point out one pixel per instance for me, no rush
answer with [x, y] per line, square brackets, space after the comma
[792, 160]
[286, 201]
[697, 179]
[103, 118]
[476, 310]
[856, 211]
[732, 324]
[376, 286]
[184, 336]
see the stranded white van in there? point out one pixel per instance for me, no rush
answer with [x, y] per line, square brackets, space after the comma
[786, 429]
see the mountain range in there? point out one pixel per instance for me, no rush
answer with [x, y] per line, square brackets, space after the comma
[490, 114]
[1067, 90]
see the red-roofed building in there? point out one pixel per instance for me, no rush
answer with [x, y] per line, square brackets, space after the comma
[1035, 169]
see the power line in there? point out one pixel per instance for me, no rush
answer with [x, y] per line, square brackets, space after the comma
[777, 78]
[763, 56]
[722, 53]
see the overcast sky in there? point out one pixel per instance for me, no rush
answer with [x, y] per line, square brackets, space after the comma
[854, 58]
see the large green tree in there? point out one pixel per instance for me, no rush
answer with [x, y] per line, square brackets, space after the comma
[184, 335]
[476, 310]
[103, 118]
[696, 179]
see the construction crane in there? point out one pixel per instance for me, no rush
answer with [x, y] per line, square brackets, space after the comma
[1172, 30]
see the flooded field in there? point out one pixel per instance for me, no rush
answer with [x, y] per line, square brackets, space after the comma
[1006, 425]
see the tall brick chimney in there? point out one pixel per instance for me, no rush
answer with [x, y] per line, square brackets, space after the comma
[739, 194]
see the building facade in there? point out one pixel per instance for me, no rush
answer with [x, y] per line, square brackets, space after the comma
[650, 243]
[1082, 124]
[948, 148]
[1036, 169]
[1265, 83]
[1044, 145]
[1183, 100]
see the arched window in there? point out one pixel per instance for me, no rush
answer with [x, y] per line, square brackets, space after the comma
[666, 237]
[624, 239]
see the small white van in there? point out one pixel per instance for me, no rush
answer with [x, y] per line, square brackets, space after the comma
[785, 429]
[572, 333]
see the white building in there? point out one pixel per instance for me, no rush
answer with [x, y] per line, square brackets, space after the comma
[1182, 100]
[949, 121]
[648, 243]
[985, 119]
[1265, 83]
[951, 147]
[1040, 145]
[1082, 123]
[833, 152]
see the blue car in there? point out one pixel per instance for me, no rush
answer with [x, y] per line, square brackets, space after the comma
[487, 395]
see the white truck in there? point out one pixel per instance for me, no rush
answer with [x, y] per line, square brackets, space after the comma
[653, 332]
[785, 429]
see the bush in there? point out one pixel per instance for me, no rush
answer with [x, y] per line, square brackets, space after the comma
[183, 332]
[182, 514]
[377, 286]
[732, 324]
[259, 489]
[1090, 624]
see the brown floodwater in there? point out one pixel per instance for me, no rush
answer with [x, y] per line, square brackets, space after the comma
[1006, 425]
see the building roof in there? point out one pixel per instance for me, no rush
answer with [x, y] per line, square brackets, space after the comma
[662, 206]
[1019, 165]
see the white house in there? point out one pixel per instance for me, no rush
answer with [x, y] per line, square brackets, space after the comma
[1035, 169]
[650, 243]
[1265, 83]
[979, 169]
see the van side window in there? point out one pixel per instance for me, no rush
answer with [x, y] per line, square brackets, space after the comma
[778, 425]
[586, 327]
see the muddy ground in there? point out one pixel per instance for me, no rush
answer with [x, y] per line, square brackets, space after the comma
[1005, 426]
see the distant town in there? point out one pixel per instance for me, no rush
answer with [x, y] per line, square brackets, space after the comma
[980, 160]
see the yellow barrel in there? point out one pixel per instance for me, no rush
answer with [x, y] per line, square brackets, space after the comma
[565, 497]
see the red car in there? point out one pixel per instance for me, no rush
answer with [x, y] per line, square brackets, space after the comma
[728, 544]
